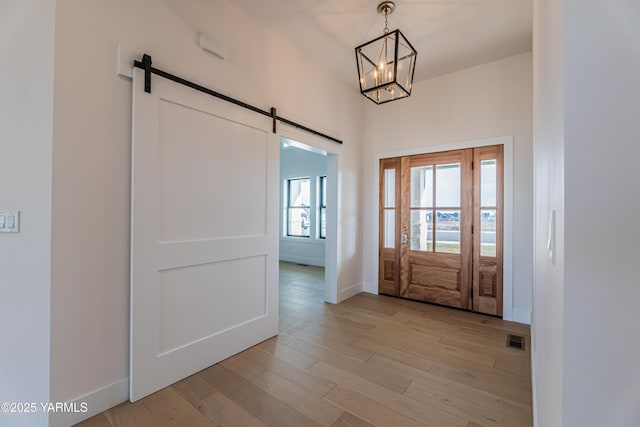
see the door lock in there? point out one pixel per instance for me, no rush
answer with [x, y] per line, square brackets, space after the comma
[404, 238]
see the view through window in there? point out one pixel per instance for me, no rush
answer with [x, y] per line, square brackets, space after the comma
[298, 207]
[323, 207]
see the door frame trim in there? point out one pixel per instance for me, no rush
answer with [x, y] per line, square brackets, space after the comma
[507, 142]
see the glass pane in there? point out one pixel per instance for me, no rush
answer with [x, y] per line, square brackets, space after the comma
[448, 185]
[299, 192]
[448, 231]
[488, 183]
[422, 187]
[389, 188]
[298, 222]
[323, 193]
[389, 228]
[323, 223]
[488, 232]
[421, 230]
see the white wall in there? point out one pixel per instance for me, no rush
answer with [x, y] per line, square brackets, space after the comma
[299, 163]
[26, 117]
[585, 307]
[490, 100]
[91, 181]
[602, 211]
[547, 323]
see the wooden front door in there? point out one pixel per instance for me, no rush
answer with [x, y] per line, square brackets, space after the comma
[441, 228]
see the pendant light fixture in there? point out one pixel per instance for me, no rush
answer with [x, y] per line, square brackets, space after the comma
[386, 63]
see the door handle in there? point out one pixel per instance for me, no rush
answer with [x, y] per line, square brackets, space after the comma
[404, 238]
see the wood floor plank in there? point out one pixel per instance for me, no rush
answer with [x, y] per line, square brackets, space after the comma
[304, 379]
[457, 406]
[522, 368]
[417, 337]
[96, 421]
[369, 410]
[388, 324]
[336, 345]
[296, 358]
[448, 395]
[350, 420]
[479, 333]
[260, 404]
[321, 411]
[131, 415]
[336, 326]
[510, 387]
[392, 306]
[451, 389]
[398, 402]
[222, 411]
[193, 389]
[384, 377]
[439, 325]
[243, 367]
[474, 321]
[316, 350]
[496, 351]
[323, 332]
[377, 305]
[483, 336]
[339, 321]
[379, 362]
[436, 351]
[391, 353]
[172, 410]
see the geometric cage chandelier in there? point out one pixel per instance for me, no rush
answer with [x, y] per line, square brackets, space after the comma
[386, 64]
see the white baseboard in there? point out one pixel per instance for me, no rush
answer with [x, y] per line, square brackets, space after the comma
[370, 288]
[96, 402]
[303, 260]
[349, 292]
[534, 376]
[522, 315]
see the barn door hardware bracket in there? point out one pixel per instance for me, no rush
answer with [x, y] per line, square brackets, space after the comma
[146, 62]
[146, 65]
[274, 117]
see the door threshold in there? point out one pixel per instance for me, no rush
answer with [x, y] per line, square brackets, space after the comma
[442, 305]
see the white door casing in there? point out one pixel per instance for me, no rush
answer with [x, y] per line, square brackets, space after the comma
[204, 232]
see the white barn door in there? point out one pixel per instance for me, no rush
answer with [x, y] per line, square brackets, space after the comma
[204, 260]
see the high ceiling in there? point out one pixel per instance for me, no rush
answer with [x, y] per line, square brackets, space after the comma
[449, 35]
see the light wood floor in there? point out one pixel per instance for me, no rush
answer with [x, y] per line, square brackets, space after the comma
[371, 360]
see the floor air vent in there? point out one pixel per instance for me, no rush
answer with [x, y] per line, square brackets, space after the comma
[515, 341]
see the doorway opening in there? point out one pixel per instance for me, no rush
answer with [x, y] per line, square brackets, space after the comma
[307, 247]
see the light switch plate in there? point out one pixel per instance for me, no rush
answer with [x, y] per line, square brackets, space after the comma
[11, 223]
[551, 240]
